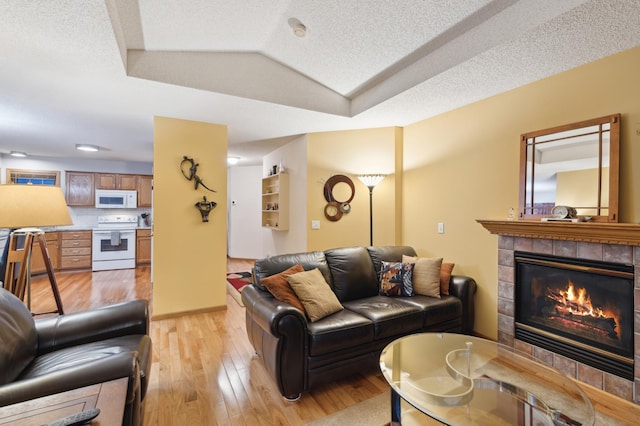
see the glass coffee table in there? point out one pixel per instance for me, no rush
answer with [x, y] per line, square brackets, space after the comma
[464, 380]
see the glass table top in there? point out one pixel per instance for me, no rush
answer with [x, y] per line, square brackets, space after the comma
[465, 380]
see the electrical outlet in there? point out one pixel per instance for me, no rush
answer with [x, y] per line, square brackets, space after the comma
[440, 228]
[315, 224]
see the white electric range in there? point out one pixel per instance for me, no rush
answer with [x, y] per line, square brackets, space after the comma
[114, 242]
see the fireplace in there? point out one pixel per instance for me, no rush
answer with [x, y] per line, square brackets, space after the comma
[617, 243]
[582, 309]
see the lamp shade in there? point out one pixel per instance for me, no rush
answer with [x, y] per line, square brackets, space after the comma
[371, 180]
[24, 206]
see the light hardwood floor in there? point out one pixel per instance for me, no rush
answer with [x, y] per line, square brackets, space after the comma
[204, 371]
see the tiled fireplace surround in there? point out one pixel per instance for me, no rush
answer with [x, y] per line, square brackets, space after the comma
[613, 248]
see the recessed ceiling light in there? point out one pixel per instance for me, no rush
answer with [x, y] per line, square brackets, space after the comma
[88, 148]
[18, 154]
[232, 160]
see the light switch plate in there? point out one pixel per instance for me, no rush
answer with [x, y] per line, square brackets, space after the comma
[440, 228]
[315, 224]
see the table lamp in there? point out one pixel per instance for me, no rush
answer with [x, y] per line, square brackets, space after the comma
[25, 207]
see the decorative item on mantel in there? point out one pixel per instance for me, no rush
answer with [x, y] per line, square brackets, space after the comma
[563, 214]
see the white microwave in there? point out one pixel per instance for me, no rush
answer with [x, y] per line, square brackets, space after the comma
[116, 199]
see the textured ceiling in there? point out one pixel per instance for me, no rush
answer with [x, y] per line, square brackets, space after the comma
[78, 71]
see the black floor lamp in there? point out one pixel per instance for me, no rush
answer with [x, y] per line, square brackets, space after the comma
[371, 181]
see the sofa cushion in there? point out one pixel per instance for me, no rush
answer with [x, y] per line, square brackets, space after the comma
[391, 316]
[426, 275]
[352, 273]
[445, 277]
[280, 289]
[314, 293]
[436, 311]
[18, 339]
[342, 330]
[388, 254]
[276, 264]
[396, 279]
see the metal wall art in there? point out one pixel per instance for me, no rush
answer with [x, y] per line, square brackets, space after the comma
[193, 169]
[204, 206]
[334, 209]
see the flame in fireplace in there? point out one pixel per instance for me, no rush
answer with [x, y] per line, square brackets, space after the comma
[580, 304]
[573, 303]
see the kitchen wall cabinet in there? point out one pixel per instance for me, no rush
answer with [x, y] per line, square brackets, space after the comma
[143, 247]
[275, 202]
[145, 190]
[75, 250]
[116, 181]
[53, 246]
[80, 189]
[81, 186]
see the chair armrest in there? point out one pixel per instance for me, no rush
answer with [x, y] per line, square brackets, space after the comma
[91, 373]
[93, 325]
[465, 289]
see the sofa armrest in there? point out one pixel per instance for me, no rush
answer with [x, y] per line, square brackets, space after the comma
[465, 289]
[72, 329]
[278, 333]
[268, 312]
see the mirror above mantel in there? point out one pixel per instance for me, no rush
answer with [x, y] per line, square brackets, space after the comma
[574, 165]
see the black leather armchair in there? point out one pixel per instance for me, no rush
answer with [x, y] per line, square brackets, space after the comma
[56, 354]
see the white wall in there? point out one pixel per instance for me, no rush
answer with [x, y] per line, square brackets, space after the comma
[293, 157]
[244, 233]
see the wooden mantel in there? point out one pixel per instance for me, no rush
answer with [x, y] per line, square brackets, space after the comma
[592, 232]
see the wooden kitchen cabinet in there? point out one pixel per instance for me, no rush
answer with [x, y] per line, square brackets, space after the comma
[116, 181]
[80, 189]
[145, 190]
[143, 247]
[53, 246]
[75, 250]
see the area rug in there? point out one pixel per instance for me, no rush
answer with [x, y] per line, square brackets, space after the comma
[236, 282]
[371, 412]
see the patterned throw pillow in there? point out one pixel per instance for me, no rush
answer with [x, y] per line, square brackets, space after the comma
[395, 279]
[426, 275]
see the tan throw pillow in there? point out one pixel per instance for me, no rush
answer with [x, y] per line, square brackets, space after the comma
[315, 294]
[426, 275]
[445, 277]
[278, 286]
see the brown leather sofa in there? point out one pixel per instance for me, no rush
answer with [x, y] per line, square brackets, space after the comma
[300, 355]
[56, 354]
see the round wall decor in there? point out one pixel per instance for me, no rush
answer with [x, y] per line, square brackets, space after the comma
[332, 211]
[333, 181]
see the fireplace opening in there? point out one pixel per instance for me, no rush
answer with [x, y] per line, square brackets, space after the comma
[581, 309]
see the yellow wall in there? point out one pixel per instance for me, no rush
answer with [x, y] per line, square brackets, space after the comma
[463, 165]
[580, 188]
[189, 256]
[352, 153]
